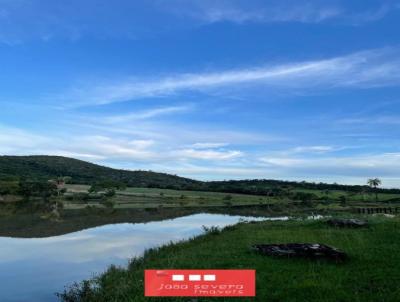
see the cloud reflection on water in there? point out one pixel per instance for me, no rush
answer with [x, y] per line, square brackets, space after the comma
[33, 269]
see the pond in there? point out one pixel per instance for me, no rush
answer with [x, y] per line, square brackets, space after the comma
[34, 269]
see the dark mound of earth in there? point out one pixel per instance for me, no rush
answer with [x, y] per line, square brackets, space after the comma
[354, 223]
[302, 250]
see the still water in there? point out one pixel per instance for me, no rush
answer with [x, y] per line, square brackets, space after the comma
[32, 270]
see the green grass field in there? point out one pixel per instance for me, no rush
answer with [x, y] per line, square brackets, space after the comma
[153, 198]
[371, 273]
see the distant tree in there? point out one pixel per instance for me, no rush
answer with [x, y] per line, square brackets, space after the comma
[110, 192]
[108, 203]
[59, 182]
[228, 203]
[41, 189]
[343, 200]
[305, 198]
[364, 193]
[9, 187]
[38, 193]
[228, 197]
[67, 179]
[109, 187]
[374, 183]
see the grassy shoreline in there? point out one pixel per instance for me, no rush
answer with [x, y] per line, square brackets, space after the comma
[370, 274]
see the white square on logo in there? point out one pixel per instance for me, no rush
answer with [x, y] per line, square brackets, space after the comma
[209, 277]
[194, 277]
[178, 278]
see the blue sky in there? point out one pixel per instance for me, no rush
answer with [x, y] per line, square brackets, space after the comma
[296, 90]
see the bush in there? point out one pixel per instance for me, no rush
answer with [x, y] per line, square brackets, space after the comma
[60, 205]
[109, 203]
[109, 193]
[213, 230]
[304, 197]
[80, 197]
[343, 200]
[9, 187]
[84, 291]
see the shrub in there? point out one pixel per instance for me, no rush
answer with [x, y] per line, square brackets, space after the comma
[80, 196]
[109, 204]
[109, 193]
[228, 197]
[343, 200]
[213, 230]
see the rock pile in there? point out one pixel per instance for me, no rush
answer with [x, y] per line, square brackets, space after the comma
[354, 223]
[303, 250]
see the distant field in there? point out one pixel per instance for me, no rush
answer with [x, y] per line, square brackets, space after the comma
[335, 194]
[151, 198]
[155, 198]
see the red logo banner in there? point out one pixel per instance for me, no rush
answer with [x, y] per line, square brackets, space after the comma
[200, 283]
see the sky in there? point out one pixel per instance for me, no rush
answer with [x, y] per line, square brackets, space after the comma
[211, 90]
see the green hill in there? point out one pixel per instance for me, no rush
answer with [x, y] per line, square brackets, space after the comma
[82, 172]
[47, 167]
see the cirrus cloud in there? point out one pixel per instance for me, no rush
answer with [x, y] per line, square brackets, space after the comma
[364, 69]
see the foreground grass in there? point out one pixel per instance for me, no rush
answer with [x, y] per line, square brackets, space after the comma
[371, 273]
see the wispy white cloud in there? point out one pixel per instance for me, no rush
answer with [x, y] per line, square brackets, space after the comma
[371, 15]
[313, 149]
[14, 139]
[208, 145]
[316, 149]
[25, 20]
[364, 165]
[187, 136]
[215, 172]
[241, 11]
[372, 68]
[383, 119]
[103, 147]
[209, 154]
[142, 115]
